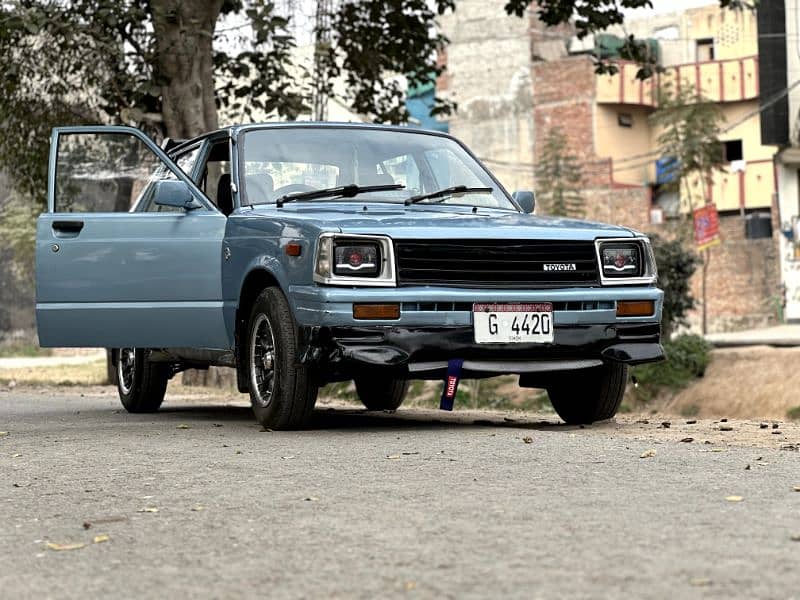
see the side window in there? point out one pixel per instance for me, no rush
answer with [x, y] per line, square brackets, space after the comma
[186, 163]
[215, 178]
[102, 172]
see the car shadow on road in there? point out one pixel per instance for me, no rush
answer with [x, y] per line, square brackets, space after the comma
[357, 419]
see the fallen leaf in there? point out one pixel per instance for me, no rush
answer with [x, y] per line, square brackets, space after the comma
[148, 509]
[718, 449]
[238, 452]
[410, 585]
[700, 581]
[289, 457]
[796, 488]
[648, 454]
[527, 440]
[311, 499]
[182, 426]
[691, 421]
[734, 498]
[3, 433]
[16, 455]
[393, 456]
[99, 539]
[60, 547]
[795, 538]
[687, 440]
[198, 508]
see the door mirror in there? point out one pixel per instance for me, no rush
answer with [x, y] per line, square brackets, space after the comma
[526, 200]
[170, 192]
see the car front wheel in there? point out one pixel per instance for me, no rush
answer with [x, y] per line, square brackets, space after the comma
[588, 396]
[141, 384]
[282, 392]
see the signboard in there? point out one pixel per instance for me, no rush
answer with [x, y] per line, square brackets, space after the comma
[706, 227]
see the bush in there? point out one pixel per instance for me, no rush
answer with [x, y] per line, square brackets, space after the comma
[676, 265]
[687, 359]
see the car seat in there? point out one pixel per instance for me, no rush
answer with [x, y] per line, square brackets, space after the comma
[224, 195]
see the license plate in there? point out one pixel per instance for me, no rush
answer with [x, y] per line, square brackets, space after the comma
[513, 323]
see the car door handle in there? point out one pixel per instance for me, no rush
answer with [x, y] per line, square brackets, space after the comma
[67, 228]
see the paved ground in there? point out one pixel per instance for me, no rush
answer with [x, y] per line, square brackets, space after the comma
[780, 335]
[197, 502]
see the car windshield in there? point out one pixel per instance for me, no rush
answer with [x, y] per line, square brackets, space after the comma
[286, 160]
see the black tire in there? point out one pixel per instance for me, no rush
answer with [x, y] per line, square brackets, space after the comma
[282, 392]
[588, 396]
[141, 384]
[381, 393]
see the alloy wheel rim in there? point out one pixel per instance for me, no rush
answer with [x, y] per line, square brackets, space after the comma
[126, 368]
[262, 361]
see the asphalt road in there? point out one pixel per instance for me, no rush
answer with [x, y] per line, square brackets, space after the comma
[197, 502]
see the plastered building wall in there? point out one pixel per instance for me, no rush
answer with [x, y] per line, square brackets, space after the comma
[488, 75]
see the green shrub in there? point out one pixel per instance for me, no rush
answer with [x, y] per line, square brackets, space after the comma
[676, 265]
[687, 359]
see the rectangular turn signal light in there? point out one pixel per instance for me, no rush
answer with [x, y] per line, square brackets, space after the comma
[376, 311]
[635, 308]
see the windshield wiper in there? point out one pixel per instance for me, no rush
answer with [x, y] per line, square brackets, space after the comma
[344, 191]
[451, 191]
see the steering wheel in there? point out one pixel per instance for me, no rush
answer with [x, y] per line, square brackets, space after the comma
[292, 188]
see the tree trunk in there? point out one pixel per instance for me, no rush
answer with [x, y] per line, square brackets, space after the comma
[184, 33]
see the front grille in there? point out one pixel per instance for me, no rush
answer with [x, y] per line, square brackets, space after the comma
[572, 305]
[495, 263]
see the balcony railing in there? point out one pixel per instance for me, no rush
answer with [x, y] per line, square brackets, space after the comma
[729, 80]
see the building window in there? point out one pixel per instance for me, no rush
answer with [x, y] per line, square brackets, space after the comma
[705, 49]
[732, 150]
[625, 119]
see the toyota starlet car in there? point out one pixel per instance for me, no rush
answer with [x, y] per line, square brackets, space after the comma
[302, 254]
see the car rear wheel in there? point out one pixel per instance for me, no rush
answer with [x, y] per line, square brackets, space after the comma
[381, 393]
[282, 392]
[141, 384]
[588, 396]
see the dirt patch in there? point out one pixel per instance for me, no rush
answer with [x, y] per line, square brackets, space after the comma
[757, 382]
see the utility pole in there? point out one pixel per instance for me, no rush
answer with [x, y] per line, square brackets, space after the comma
[322, 44]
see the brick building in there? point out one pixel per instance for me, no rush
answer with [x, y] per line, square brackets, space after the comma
[605, 119]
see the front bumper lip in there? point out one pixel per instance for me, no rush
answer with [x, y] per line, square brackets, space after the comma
[404, 347]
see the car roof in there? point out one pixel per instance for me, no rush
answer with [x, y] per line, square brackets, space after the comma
[235, 129]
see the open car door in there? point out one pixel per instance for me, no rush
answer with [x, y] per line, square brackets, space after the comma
[129, 252]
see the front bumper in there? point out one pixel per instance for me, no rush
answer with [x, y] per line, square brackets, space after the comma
[423, 352]
[435, 325]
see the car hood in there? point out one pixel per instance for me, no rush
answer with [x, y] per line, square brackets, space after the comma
[440, 222]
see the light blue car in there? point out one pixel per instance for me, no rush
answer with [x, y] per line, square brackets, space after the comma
[302, 254]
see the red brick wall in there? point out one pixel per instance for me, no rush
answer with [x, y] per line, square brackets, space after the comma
[563, 97]
[743, 280]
